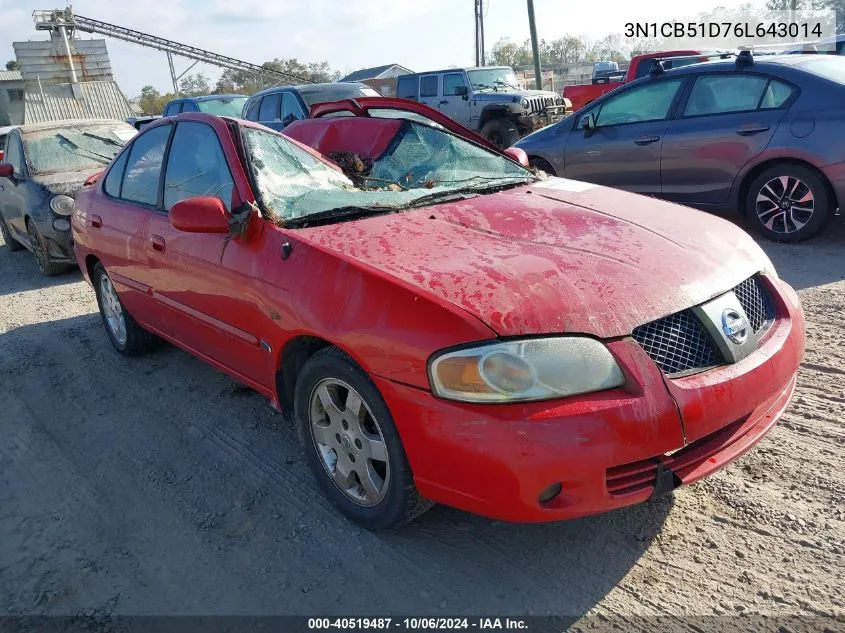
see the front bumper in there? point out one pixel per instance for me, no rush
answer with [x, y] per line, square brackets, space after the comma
[59, 242]
[609, 450]
[530, 122]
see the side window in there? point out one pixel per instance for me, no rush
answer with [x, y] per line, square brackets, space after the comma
[196, 166]
[777, 93]
[650, 102]
[111, 185]
[428, 86]
[173, 109]
[291, 106]
[270, 105]
[252, 110]
[143, 169]
[13, 153]
[720, 94]
[189, 106]
[406, 87]
[451, 82]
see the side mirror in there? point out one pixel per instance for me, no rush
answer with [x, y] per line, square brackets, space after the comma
[517, 154]
[462, 92]
[201, 214]
[6, 170]
[589, 123]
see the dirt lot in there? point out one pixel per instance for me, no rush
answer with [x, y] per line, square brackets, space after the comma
[158, 486]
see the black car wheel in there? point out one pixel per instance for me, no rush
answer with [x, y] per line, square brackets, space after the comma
[11, 243]
[46, 265]
[542, 165]
[788, 203]
[501, 132]
[127, 337]
[351, 443]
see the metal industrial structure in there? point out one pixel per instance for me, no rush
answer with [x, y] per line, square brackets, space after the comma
[479, 32]
[66, 22]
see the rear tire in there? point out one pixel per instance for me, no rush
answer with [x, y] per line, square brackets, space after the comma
[45, 262]
[501, 132]
[11, 243]
[788, 203]
[126, 336]
[349, 438]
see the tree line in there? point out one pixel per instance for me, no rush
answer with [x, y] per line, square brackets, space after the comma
[576, 50]
[152, 101]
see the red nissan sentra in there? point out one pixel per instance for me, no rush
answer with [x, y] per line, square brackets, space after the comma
[443, 324]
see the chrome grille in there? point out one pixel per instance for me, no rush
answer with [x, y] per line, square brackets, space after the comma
[756, 302]
[678, 343]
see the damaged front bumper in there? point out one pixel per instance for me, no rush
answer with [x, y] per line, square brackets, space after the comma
[536, 120]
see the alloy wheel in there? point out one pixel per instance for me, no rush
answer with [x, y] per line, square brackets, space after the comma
[349, 442]
[785, 204]
[112, 310]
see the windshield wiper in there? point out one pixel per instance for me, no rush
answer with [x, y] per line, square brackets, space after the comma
[340, 213]
[105, 139]
[441, 196]
[488, 87]
[106, 159]
[505, 83]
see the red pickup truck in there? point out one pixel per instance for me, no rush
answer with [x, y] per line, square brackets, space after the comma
[582, 94]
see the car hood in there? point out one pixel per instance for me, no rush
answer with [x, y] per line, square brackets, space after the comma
[553, 257]
[64, 182]
[515, 95]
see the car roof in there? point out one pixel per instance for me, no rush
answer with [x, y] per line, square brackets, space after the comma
[306, 88]
[457, 70]
[762, 62]
[65, 123]
[207, 98]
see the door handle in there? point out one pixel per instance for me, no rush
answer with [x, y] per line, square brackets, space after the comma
[444, 102]
[646, 140]
[96, 222]
[157, 242]
[752, 129]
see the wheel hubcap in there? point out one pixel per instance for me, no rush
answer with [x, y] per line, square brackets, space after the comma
[112, 310]
[785, 204]
[349, 442]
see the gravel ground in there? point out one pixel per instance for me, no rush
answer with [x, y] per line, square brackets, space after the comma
[158, 486]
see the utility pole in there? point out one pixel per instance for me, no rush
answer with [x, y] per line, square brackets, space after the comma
[479, 32]
[538, 77]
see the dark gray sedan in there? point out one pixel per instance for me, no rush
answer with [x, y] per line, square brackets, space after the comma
[764, 136]
[44, 166]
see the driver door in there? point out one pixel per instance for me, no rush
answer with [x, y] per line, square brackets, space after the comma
[623, 150]
[204, 282]
[454, 102]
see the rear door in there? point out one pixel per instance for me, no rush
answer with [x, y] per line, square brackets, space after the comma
[13, 191]
[430, 90]
[623, 150]
[726, 121]
[455, 106]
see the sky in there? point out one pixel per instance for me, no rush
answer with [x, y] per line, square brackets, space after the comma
[349, 34]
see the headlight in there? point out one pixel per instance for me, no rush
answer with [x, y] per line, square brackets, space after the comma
[62, 205]
[531, 369]
[525, 104]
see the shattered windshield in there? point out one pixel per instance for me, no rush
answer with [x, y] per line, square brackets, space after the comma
[226, 106]
[419, 162]
[75, 148]
[492, 79]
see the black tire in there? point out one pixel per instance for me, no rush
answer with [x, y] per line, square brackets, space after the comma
[45, 262]
[542, 165]
[138, 340]
[501, 132]
[776, 224]
[11, 243]
[401, 502]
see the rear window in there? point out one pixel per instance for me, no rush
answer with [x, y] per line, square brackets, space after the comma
[830, 67]
[228, 106]
[334, 92]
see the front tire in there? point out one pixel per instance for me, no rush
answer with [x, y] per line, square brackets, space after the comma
[351, 443]
[501, 132]
[788, 203]
[45, 262]
[11, 243]
[126, 336]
